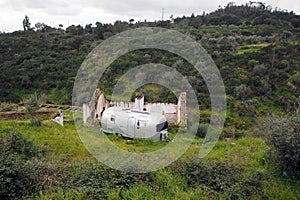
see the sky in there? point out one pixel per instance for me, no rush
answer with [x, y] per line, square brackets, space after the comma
[74, 12]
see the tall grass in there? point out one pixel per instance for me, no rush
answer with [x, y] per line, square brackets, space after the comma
[60, 143]
[63, 147]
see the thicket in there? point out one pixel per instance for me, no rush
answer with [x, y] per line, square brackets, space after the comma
[20, 173]
[283, 135]
[224, 178]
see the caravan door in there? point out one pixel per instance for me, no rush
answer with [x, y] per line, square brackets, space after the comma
[131, 127]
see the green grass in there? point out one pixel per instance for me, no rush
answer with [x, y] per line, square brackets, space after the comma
[60, 143]
[251, 48]
[136, 145]
[282, 189]
[63, 145]
[166, 186]
[62, 195]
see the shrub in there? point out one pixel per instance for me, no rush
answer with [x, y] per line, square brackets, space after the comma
[14, 143]
[202, 129]
[97, 181]
[15, 179]
[36, 121]
[223, 178]
[19, 176]
[31, 104]
[283, 135]
[260, 70]
[243, 92]
[61, 194]
[295, 80]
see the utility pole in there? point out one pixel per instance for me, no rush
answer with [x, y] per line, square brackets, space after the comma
[162, 14]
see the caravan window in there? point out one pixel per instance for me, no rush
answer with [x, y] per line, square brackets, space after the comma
[112, 118]
[141, 123]
[161, 126]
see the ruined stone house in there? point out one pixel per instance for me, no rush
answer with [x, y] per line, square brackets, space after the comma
[174, 113]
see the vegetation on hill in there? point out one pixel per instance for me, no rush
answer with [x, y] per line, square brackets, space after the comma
[257, 50]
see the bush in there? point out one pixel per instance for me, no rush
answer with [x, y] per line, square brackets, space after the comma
[243, 92]
[97, 181]
[202, 130]
[21, 178]
[14, 143]
[295, 80]
[283, 135]
[16, 174]
[61, 194]
[36, 121]
[260, 70]
[224, 178]
[15, 181]
[31, 104]
[21, 174]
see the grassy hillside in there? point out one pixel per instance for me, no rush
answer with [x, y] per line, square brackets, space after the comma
[239, 38]
[257, 50]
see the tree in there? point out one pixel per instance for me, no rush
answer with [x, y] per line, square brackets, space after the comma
[131, 21]
[120, 26]
[32, 106]
[75, 30]
[41, 27]
[88, 29]
[25, 82]
[76, 43]
[99, 30]
[26, 23]
[172, 18]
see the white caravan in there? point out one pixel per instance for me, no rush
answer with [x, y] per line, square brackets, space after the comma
[134, 123]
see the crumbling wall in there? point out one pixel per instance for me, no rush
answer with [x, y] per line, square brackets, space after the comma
[181, 110]
[86, 113]
[174, 113]
[129, 105]
[139, 102]
[169, 110]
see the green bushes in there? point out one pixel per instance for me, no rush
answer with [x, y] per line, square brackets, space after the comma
[202, 130]
[36, 122]
[243, 92]
[13, 143]
[18, 175]
[194, 180]
[32, 104]
[295, 80]
[16, 180]
[97, 181]
[283, 135]
[237, 171]
[226, 179]
[61, 194]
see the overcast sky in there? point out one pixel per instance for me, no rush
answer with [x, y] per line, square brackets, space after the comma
[68, 12]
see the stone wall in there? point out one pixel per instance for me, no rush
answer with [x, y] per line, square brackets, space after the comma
[174, 113]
